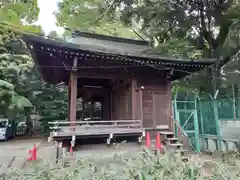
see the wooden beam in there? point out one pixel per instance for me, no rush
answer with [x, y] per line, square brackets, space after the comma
[95, 75]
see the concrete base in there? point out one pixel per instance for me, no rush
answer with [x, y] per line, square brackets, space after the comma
[209, 143]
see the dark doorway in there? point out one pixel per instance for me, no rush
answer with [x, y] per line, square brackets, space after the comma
[90, 110]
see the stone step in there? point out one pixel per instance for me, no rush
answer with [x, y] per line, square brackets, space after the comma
[181, 151]
[175, 146]
[185, 158]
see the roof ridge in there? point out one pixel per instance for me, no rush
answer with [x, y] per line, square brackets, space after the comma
[76, 33]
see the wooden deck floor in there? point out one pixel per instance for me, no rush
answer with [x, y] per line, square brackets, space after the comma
[81, 132]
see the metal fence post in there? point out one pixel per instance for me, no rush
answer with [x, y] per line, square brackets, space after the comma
[196, 128]
[215, 111]
[199, 107]
[176, 114]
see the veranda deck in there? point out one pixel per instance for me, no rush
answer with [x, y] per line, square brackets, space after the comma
[90, 129]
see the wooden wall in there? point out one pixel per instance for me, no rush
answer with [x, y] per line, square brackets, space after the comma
[152, 104]
[122, 102]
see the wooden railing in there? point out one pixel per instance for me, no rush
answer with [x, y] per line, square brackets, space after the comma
[182, 135]
[180, 129]
[96, 124]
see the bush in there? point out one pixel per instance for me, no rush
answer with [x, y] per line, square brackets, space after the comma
[144, 166]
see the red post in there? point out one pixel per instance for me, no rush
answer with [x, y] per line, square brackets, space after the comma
[179, 132]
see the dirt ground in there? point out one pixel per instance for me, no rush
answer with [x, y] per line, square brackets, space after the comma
[102, 150]
[14, 153]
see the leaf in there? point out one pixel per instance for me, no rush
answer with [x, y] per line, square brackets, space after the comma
[6, 85]
[20, 102]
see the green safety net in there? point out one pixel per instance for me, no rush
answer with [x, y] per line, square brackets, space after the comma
[227, 109]
[186, 110]
[206, 120]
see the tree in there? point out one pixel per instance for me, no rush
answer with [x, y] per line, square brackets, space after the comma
[88, 15]
[22, 91]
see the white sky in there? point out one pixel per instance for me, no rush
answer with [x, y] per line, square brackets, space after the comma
[46, 17]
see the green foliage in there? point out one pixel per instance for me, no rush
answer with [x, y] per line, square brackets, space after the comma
[144, 166]
[89, 15]
[177, 48]
[6, 93]
[21, 88]
[17, 11]
[20, 102]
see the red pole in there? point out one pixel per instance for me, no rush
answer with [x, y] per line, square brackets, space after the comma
[179, 132]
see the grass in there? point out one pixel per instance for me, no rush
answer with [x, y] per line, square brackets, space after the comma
[143, 166]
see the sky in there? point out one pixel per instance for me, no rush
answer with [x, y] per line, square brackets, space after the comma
[46, 18]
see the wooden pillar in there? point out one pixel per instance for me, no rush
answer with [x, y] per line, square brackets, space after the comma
[73, 93]
[134, 99]
[141, 106]
[111, 104]
[170, 104]
[69, 99]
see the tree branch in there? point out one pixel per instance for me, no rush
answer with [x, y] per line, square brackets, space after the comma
[224, 60]
[139, 35]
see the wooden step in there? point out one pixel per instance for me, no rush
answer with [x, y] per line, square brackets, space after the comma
[172, 139]
[162, 127]
[166, 133]
[175, 144]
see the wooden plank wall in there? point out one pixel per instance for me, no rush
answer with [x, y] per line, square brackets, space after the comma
[152, 105]
[122, 102]
[156, 103]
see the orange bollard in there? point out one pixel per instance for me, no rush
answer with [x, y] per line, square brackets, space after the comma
[34, 153]
[158, 142]
[148, 141]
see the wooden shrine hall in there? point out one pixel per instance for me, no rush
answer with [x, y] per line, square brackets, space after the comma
[115, 84]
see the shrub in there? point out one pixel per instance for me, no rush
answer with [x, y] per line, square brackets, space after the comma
[143, 166]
